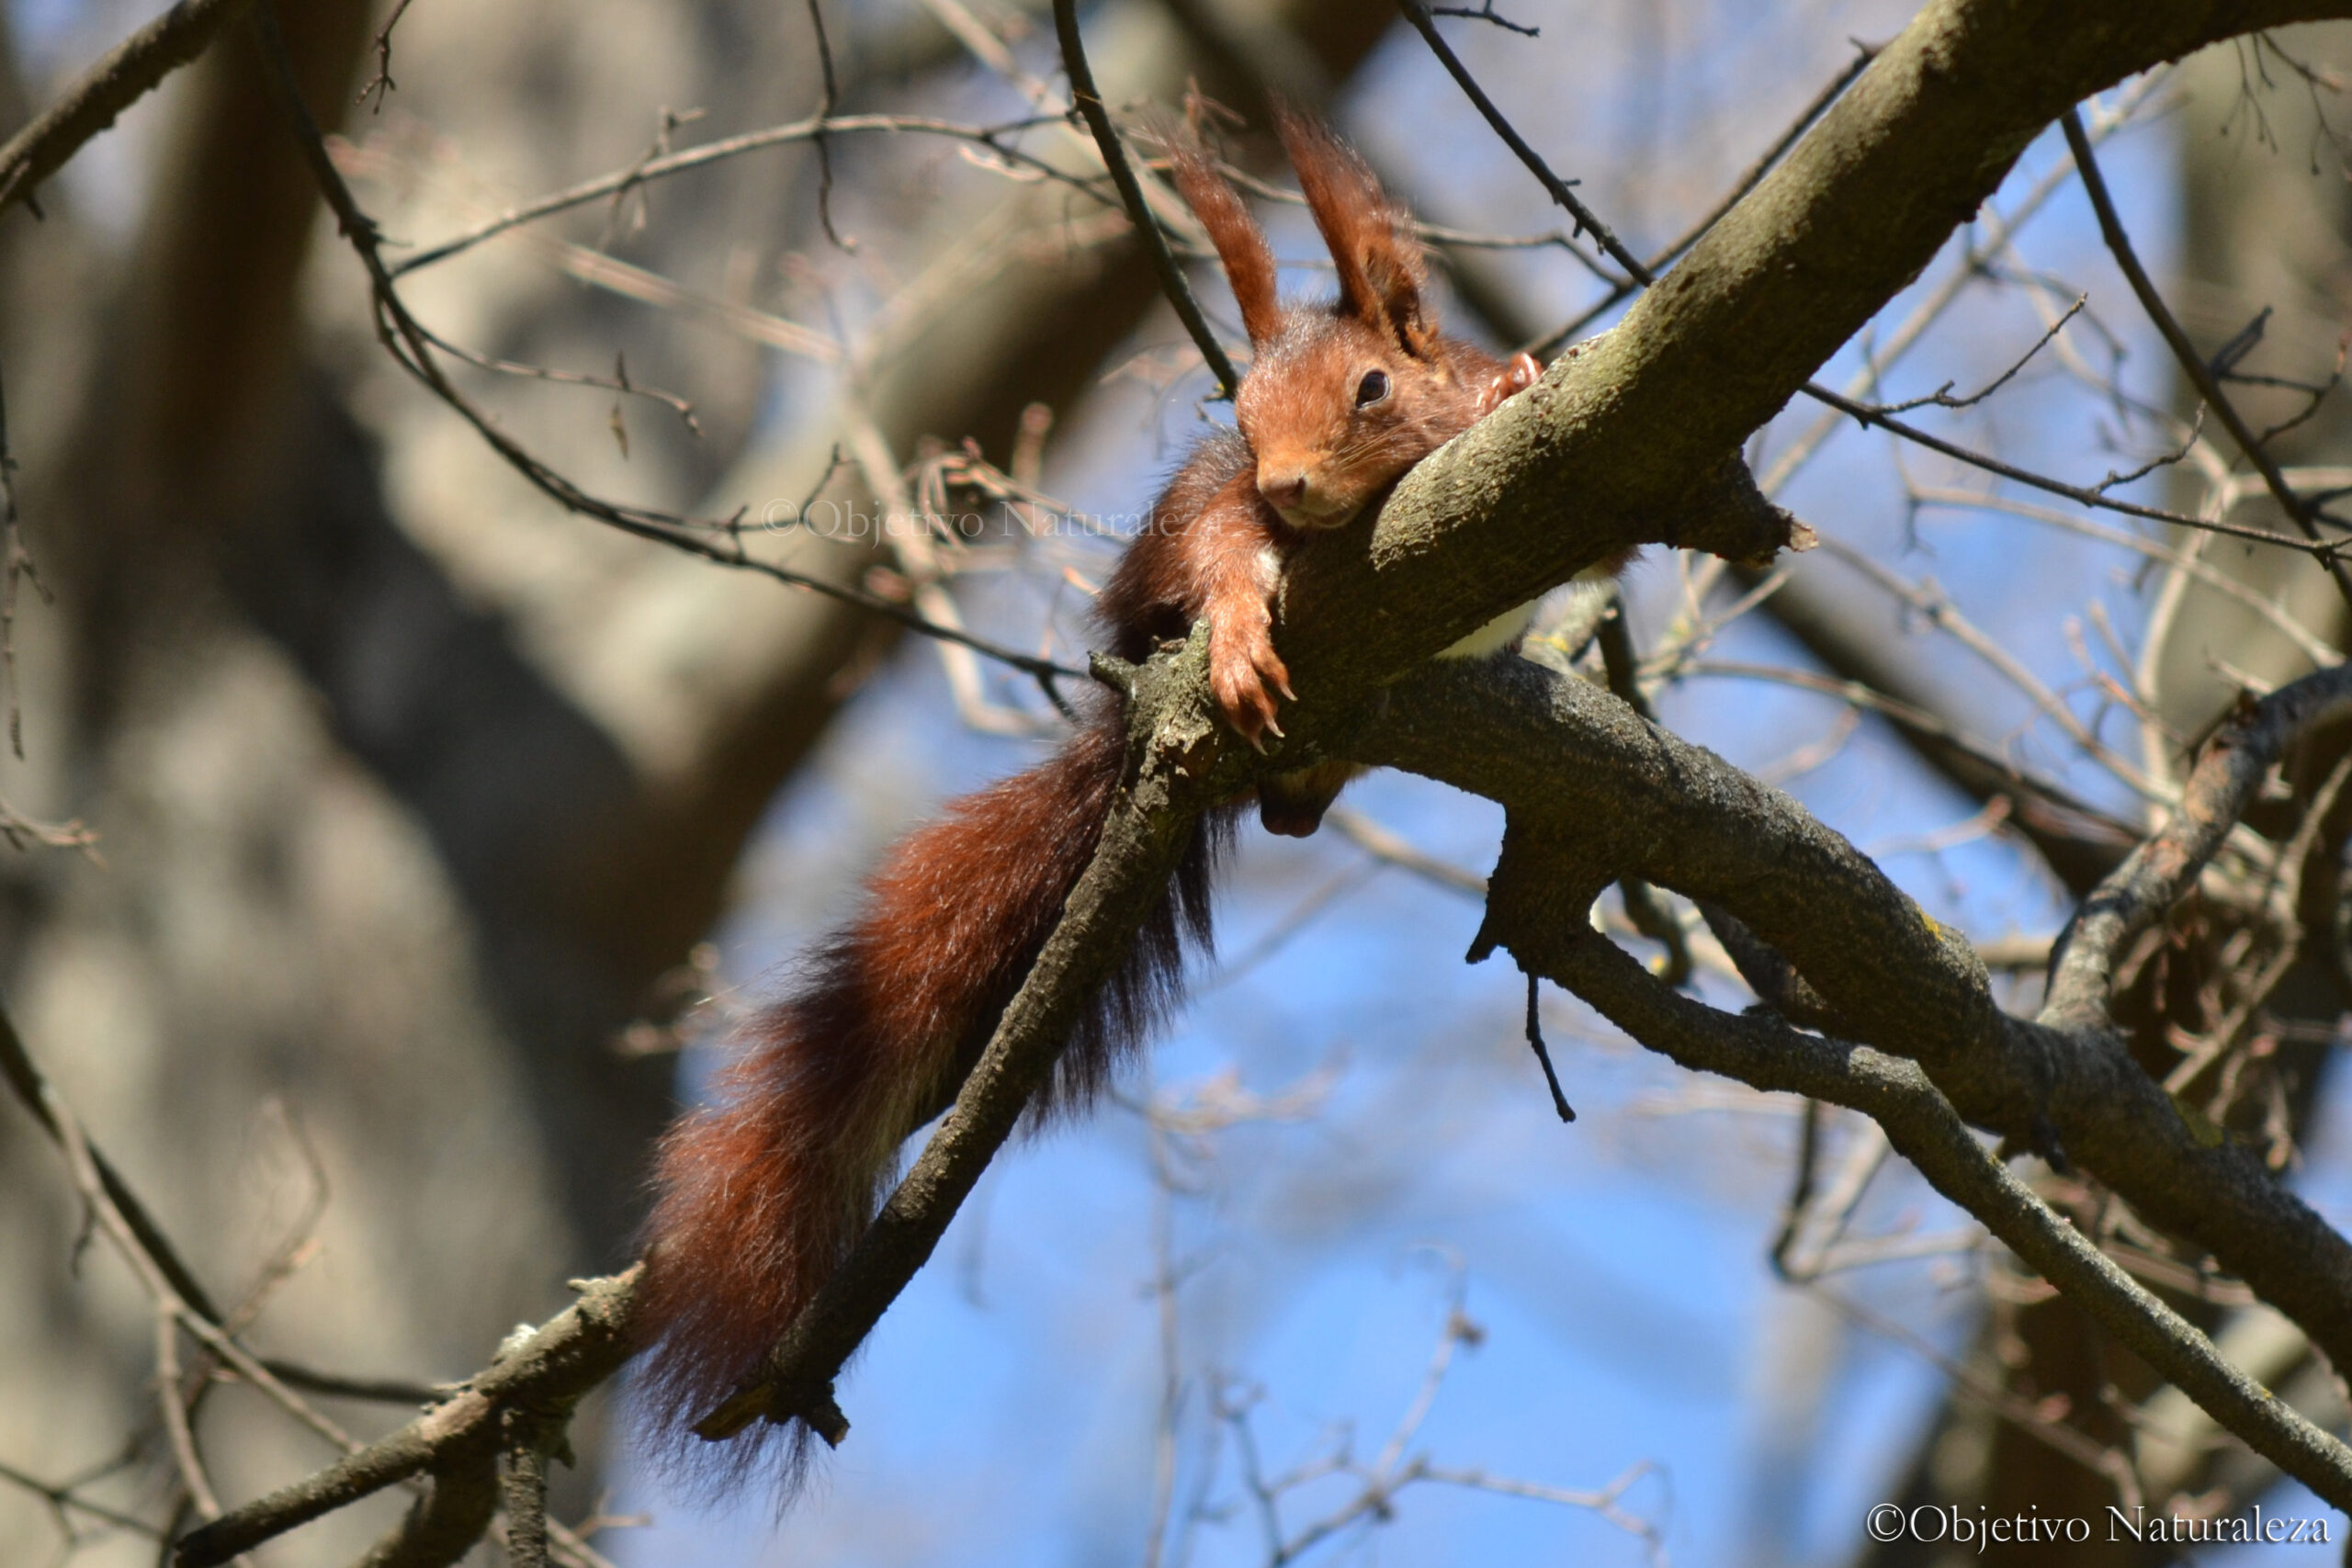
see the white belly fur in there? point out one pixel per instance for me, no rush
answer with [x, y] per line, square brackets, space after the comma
[1507, 628]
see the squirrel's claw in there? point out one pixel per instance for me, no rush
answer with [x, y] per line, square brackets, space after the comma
[1250, 711]
[1244, 681]
[1521, 373]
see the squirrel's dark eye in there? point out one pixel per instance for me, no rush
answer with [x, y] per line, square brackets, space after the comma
[1372, 388]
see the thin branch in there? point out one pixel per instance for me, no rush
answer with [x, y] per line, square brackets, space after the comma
[61, 1499]
[1486, 13]
[18, 565]
[2329, 551]
[709, 152]
[2026, 1414]
[1438, 235]
[616, 382]
[407, 341]
[824, 149]
[173, 1409]
[1385, 846]
[1999, 234]
[547, 1370]
[105, 90]
[1622, 289]
[2192, 364]
[1942, 398]
[1586, 220]
[1761, 1050]
[155, 1279]
[2313, 647]
[377, 1390]
[2224, 781]
[34, 1092]
[382, 84]
[1089, 103]
[1929, 600]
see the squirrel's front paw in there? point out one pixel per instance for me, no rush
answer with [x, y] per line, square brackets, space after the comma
[1244, 674]
[1516, 377]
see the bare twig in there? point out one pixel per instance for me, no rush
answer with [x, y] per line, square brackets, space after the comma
[1931, 602]
[824, 148]
[62, 1500]
[1942, 397]
[405, 339]
[1558, 189]
[18, 566]
[2027, 1415]
[644, 172]
[1486, 13]
[1382, 844]
[2314, 649]
[2192, 363]
[617, 382]
[1089, 103]
[2327, 551]
[1623, 290]
[1999, 234]
[382, 84]
[1379, 1482]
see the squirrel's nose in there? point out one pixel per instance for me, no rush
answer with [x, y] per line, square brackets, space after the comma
[1283, 491]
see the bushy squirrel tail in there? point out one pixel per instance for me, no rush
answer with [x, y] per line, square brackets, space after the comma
[761, 1194]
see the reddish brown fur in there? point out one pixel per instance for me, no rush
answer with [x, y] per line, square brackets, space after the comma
[762, 1195]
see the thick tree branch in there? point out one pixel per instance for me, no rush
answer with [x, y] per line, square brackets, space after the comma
[1608, 796]
[1921, 1124]
[460, 1497]
[1605, 450]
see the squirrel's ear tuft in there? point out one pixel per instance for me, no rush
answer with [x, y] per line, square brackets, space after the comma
[1383, 277]
[1241, 243]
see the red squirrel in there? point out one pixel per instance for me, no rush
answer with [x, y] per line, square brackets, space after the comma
[761, 1195]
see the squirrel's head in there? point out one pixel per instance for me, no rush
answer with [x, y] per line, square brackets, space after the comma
[1341, 399]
